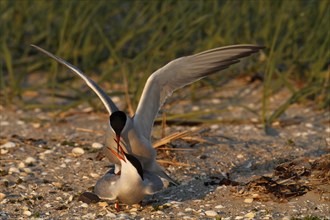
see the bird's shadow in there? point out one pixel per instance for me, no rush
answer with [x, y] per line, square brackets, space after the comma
[199, 187]
[194, 189]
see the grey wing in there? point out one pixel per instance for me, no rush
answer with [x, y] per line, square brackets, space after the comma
[107, 102]
[153, 183]
[105, 188]
[181, 72]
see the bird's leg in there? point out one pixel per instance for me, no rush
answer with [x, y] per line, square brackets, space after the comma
[117, 207]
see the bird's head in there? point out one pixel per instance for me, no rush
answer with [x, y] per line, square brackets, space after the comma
[128, 159]
[118, 121]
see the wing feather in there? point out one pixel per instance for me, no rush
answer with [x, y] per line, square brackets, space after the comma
[107, 102]
[181, 72]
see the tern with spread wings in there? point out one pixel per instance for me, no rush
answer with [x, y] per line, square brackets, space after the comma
[134, 132]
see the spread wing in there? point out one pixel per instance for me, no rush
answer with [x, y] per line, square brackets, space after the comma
[180, 72]
[107, 102]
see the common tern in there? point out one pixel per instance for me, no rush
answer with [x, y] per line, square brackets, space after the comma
[134, 132]
[131, 185]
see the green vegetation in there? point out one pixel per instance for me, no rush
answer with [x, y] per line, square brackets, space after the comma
[310, 217]
[123, 42]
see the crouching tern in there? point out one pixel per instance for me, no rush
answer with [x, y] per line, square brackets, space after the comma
[134, 132]
[131, 185]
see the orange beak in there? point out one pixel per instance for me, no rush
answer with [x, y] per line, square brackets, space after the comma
[117, 154]
[118, 141]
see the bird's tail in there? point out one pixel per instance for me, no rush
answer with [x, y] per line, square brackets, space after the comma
[164, 175]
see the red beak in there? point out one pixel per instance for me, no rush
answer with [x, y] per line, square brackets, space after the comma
[119, 147]
[118, 141]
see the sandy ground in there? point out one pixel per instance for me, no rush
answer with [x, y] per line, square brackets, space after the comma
[228, 170]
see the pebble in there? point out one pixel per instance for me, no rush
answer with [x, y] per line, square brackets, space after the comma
[97, 145]
[84, 205]
[2, 196]
[19, 122]
[13, 170]
[27, 170]
[94, 175]
[48, 152]
[30, 160]
[249, 215]
[89, 216]
[8, 145]
[248, 200]
[111, 215]
[219, 207]
[240, 156]
[103, 204]
[123, 216]
[239, 217]
[188, 210]
[255, 195]
[4, 123]
[78, 151]
[4, 151]
[21, 165]
[211, 213]
[27, 212]
[57, 184]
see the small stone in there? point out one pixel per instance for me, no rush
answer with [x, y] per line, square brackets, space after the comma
[27, 212]
[36, 125]
[103, 204]
[4, 123]
[84, 205]
[249, 215]
[30, 160]
[89, 216]
[4, 151]
[2, 196]
[27, 170]
[20, 122]
[96, 145]
[88, 197]
[239, 217]
[78, 151]
[248, 200]
[48, 152]
[111, 215]
[57, 184]
[94, 175]
[188, 210]
[219, 207]
[240, 156]
[133, 210]
[160, 212]
[21, 165]
[211, 213]
[180, 214]
[12, 170]
[255, 195]
[8, 145]
[123, 216]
